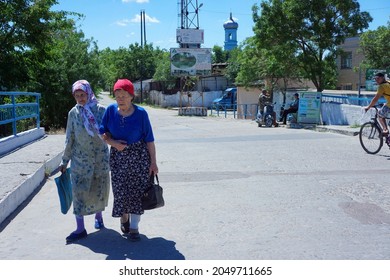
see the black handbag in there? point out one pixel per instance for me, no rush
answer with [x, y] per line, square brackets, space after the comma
[153, 196]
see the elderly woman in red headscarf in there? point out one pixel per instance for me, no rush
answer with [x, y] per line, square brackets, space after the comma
[89, 159]
[126, 127]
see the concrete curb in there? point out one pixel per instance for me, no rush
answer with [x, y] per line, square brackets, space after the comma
[9, 144]
[12, 200]
[349, 132]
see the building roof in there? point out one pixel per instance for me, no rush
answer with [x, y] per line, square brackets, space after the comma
[230, 24]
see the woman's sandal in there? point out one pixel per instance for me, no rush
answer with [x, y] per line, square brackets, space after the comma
[125, 227]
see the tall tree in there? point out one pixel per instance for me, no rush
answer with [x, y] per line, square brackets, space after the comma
[26, 31]
[219, 55]
[314, 28]
[233, 66]
[163, 71]
[71, 58]
[375, 45]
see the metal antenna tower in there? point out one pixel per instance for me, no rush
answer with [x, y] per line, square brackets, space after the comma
[189, 17]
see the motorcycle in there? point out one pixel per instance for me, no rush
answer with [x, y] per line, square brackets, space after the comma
[267, 118]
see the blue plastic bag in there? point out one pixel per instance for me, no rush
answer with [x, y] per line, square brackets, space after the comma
[64, 187]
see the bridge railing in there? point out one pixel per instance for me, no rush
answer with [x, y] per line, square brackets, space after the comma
[13, 108]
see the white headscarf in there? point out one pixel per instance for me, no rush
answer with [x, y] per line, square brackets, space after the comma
[89, 120]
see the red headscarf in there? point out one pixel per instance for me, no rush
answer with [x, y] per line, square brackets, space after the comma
[124, 84]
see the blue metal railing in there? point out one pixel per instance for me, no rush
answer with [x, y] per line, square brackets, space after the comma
[14, 111]
[244, 111]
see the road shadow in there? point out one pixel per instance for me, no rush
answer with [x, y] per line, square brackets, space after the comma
[117, 247]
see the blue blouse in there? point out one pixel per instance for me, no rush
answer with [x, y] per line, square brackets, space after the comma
[131, 129]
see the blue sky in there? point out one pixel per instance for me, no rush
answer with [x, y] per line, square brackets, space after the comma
[116, 23]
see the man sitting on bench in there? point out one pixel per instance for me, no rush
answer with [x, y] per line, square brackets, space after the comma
[293, 108]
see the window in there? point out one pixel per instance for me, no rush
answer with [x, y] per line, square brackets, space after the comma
[347, 87]
[346, 60]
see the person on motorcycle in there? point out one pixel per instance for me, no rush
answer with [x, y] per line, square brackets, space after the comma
[264, 99]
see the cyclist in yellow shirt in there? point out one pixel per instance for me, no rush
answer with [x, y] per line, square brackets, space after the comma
[383, 90]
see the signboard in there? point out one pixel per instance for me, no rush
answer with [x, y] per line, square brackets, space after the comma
[189, 36]
[309, 109]
[370, 81]
[190, 62]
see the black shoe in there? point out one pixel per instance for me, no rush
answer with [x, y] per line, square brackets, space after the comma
[125, 227]
[76, 236]
[134, 236]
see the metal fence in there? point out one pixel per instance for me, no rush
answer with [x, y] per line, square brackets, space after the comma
[14, 109]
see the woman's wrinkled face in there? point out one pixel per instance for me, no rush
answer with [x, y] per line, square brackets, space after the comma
[123, 98]
[81, 97]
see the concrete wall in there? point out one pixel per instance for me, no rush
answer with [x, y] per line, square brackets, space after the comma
[247, 100]
[10, 143]
[191, 99]
[343, 114]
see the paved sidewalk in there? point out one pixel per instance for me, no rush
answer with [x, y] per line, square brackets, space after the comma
[25, 169]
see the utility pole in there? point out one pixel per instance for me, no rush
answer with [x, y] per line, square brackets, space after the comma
[143, 42]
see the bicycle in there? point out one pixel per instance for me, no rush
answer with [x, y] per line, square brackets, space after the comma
[371, 135]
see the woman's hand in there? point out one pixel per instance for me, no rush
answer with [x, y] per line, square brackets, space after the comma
[120, 145]
[106, 137]
[153, 168]
[63, 168]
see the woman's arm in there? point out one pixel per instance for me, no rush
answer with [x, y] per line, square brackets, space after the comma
[152, 152]
[120, 145]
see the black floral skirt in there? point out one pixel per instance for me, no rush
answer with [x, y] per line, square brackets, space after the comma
[129, 178]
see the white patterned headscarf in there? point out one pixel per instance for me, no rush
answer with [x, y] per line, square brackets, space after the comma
[88, 118]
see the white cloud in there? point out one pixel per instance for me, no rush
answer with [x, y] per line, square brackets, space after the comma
[136, 1]
[148, 19]
[123, 22]
[137, 19]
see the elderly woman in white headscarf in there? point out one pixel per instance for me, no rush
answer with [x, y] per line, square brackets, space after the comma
[89, 159]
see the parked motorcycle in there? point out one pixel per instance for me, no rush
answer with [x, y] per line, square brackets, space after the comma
[267, 118]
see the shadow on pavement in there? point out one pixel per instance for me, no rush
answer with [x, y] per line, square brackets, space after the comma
[117, 247]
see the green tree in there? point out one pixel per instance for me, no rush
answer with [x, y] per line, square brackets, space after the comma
[233, 66]
[219, 55]
[313, 28]
[133, 63]
[72, 58]
[375, 45]
[267, 66]
[163, 71]
[26, 31]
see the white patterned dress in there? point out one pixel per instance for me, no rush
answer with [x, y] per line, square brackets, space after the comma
[89, 162]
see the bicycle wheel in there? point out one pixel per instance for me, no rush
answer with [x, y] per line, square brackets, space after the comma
[370, 137]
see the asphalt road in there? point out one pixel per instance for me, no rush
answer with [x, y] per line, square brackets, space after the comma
[233, 191]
